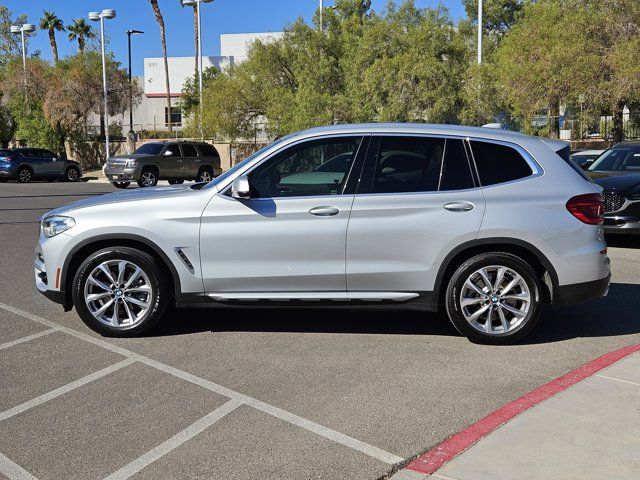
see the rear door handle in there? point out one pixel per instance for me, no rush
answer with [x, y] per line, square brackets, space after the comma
[324, 211]
[459, 206]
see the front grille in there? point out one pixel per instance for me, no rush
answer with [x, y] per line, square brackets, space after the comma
[613, 202]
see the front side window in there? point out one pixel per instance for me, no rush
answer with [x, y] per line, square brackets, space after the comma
[317, 167]
[171, 151]
[498, 163]
[405, 164]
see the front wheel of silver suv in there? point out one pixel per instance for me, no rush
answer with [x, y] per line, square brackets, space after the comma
[120, 292]
[494, 298]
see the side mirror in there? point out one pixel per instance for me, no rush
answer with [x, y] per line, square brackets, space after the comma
[168, 153]
[587, 164]
[241, 189]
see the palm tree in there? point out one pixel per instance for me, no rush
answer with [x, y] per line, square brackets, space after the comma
[81, 31]
[163, 41]
[51, 22]
[196, 33]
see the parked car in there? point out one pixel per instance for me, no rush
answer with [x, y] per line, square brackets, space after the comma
[172, 161]
[26, 164]
[617, 171]
[487, 225]
[584, 158]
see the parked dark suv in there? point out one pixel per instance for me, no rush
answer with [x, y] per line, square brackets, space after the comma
[26, 164]
[172, 161]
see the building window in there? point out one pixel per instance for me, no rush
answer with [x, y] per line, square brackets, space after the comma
[176, 116]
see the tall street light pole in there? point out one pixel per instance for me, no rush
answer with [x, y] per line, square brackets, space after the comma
[479, 32]
[100, 16]
[23, 30]
[191, 3]
[129, 33]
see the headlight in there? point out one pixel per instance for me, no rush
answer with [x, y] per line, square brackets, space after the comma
[52, 226]
[131, 164]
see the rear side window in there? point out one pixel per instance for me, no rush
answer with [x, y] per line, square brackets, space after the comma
[416, 164]
[207, 150]
[189, 150]
[498, 163]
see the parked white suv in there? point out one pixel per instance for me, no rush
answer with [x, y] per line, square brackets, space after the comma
[485, 224]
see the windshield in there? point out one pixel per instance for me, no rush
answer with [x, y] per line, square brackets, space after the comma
[238, 166]
[150, 148]
[623, 159]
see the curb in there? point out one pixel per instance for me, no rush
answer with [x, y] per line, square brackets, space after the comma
[435, 458]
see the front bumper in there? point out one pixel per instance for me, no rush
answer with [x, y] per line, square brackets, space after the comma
[622, 224]
[116, 174]
[581, 292]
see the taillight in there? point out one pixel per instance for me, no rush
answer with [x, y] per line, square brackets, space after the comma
[587, 208]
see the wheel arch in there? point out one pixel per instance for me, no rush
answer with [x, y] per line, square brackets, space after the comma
[524, 250]
[86, 247]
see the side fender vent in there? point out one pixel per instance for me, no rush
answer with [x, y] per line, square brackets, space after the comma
[185, 259]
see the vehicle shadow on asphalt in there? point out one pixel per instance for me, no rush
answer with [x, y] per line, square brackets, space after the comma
[623, 241]
[614, 315]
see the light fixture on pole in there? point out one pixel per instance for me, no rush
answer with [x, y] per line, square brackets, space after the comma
[191, 3]
[129, 33]
[99, 17]
[479, 32]
[23, 30]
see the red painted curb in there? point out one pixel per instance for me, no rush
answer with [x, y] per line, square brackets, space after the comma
[434, 459]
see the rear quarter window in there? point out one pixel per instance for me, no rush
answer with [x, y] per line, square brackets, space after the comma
[498, 163]
[207, 150]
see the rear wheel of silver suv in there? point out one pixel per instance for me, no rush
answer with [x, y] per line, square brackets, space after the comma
[494, 298]
[120, 292]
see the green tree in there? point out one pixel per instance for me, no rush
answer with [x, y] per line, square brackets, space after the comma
[547, 58]
[190, 98]
[80, 30]
[9, 42]
[51, 23]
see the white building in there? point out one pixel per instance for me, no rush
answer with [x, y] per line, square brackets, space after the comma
[152, 113]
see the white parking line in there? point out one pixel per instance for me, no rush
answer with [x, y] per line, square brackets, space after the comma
[26, 339]
[13, 471]
[284, 415]
[175, 441]
[64, 389]
[618, 380]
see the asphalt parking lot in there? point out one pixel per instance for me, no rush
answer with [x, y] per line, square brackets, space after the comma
[258, 394]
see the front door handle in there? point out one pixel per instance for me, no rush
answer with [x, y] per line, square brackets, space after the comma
[459, 206]
[324, 211]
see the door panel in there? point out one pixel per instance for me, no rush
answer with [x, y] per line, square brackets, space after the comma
[274, 244]
[417, 200]
[395, 242]
[171, 166]
[191, 160]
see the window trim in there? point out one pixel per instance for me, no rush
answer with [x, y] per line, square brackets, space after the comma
[364, 137]
[375, 144]
[536, 169]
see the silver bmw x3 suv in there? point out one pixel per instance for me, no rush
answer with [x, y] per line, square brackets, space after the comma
[487, 225]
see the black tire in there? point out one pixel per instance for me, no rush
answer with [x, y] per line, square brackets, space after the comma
[148, 178]
[72, 174]
[25, 175]
[160, 295]
[205, 174]
[176, 182]
[121, 184]
[522, 326]
[4, 180]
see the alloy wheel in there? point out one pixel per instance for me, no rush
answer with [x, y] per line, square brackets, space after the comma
[205, 176]
[24, 175]
[148, 179]
[118, 293]
[72, 175]
[495, 300]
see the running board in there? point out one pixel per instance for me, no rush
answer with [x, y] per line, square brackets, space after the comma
[314, 296]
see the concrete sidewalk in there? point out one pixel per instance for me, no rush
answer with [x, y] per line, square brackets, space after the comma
[591, 430]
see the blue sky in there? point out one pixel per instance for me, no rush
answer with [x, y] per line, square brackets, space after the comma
[221, 16]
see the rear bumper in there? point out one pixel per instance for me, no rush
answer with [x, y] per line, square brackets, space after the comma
[581, 292]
